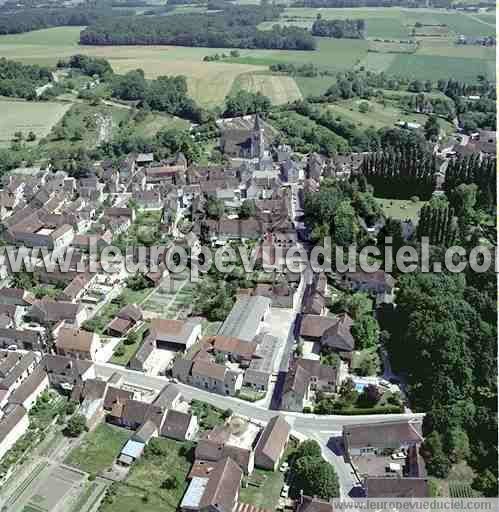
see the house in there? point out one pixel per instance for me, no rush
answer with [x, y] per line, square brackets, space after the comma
[77, 343]
[25, 339]
[223, 441]
[332, 333]
[48, 311]
[233, 349]
[148, 199]
[313, 504]
[272, 443]
[179, 425]
[246, 318]
[30, 389]
[14, 369]
[377, 283]
[146, 432]
[126, 318]
[13, 425]
[16, 297]
[169, 397]
[394, 487]
[119, 213]
[144, 159]
[66, 373]
[77, 287]
[259, 373]
[303, 379]
[217, 492]
[115, 395]
[176, 334]
[133, 414]
[216, 377]
[378, 437]
[143, 360]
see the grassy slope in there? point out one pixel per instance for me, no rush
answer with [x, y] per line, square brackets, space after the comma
[280, 89]
[400, 208]
[26, 117]
[379, 116]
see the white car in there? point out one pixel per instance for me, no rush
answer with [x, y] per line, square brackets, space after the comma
[284, 467]
[399, 455]
[285, 491]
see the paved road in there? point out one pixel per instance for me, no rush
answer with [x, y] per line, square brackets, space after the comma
[300, 422]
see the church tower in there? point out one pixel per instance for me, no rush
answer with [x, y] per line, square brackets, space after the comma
[258, 139]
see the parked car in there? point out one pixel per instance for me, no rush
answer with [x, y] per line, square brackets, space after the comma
[398, 455]
[285, 491]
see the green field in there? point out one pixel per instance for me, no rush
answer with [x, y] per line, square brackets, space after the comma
[400, 208]
[434, 67]
[263, 489]
[280, 89]
[99, 448]
[29, 116]
[380, 116]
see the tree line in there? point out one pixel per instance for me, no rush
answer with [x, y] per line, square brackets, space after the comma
[474, 170]
[400, 174]
[234, 27]
[339, 29]
[444, 340]
[36, 19]
[21, 80]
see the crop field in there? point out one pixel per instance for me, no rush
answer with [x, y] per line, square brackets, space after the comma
[25, 117]
[435, 67]
[280, 89]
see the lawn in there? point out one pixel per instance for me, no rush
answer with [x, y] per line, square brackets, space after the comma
[400, 208]
[99, 448]
[143, 488]
[263, 489]
[208, 415]
[279, 88]
[29, 116]
[380, 116]
[313, 86]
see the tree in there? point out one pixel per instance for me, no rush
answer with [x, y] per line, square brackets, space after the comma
[132, 338]
[366, 332]
[348, 392]
[308, 448]
[437, 463]
[76, 425]
[170, 482]
[370, 396]
[31, 136]
[243, 102]
[315, 477]
[364, 107]
[247, 209]
[215, 208]
[432, 129]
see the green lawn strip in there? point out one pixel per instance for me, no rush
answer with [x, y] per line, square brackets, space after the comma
[99, 449]
[208, 415]
[263, 489]
[401, 209]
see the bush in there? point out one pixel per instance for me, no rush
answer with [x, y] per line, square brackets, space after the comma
[75, 426]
